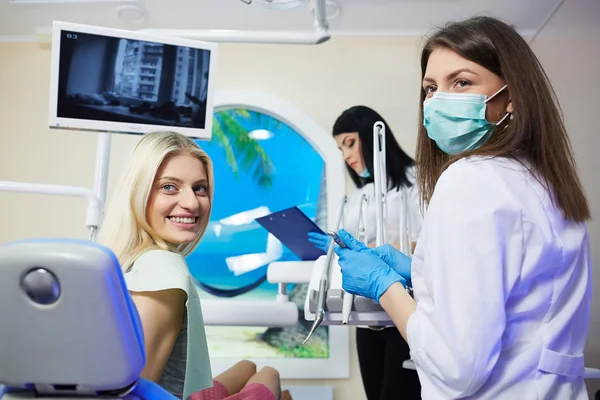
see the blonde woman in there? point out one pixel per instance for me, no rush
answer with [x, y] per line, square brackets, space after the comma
[158, 213]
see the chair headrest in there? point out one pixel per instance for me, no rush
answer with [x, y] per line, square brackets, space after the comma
[68, 323]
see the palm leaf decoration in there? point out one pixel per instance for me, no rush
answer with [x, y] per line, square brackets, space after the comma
[241, 151]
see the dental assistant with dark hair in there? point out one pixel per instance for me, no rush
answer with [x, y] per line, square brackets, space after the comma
[381, 352]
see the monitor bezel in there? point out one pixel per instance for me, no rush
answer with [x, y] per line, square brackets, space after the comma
[56, 122]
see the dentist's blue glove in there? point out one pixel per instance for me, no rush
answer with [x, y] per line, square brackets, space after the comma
[364, 273]
[319, 240]
[397, 260]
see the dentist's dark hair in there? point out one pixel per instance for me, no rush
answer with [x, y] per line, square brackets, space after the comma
[536, 134]
[361, 119]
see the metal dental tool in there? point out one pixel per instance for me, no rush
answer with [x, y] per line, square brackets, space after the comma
[380, 178]
[336, 238]
[323, 283]
[362, 234]
[405, 242]
[381, 186]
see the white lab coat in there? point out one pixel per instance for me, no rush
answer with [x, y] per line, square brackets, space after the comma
[394, 209]
[503, 289]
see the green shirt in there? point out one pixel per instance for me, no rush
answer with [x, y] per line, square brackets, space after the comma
[188, 368]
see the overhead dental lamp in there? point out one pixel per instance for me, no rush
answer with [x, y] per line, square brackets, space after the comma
[319, 35]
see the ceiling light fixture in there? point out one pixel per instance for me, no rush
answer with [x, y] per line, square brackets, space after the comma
[132, 13]
[283, 4]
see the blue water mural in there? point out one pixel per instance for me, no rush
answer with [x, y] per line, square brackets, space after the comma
[296, 178]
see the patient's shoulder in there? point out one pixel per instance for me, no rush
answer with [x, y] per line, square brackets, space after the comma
[151, 258]
[158, 270]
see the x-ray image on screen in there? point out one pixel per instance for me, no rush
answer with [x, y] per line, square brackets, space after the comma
[104, 78]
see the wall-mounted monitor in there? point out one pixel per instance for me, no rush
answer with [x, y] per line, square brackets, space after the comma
[112, 80]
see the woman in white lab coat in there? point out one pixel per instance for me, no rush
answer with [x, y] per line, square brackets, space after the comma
[502, 270]
[380, 352]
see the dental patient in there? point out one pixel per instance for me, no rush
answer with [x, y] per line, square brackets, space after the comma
[158, 213]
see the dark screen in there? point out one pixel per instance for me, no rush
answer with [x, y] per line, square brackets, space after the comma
[103, 78]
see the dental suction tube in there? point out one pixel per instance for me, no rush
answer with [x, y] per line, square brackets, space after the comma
[348, 299]
[324, 282]
[380, 177]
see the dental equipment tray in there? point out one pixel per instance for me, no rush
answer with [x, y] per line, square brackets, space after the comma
[364, 311]
[335, 299]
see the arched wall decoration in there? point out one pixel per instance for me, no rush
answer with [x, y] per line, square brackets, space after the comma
[336, 366]
[297, 119]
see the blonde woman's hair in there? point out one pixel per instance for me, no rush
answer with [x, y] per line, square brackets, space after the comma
[125, 229]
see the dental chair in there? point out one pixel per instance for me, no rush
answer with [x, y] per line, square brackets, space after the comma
[68, 327]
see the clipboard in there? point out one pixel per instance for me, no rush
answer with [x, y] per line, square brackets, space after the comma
[291, 226]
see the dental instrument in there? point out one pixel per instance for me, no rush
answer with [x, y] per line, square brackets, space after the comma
[343, 308]
[348, 300]
[379, 164]
[323, 283]
[380, 182]
[336, 238]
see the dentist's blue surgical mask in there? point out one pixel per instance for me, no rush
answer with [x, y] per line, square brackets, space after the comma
[365, 173]
[456, 121]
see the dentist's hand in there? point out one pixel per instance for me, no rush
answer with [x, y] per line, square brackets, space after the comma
[364, 273]
[397, 260]
[319, 240]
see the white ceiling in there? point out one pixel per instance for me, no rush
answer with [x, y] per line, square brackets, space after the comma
[410, 16]
[575, 17]
[397, 17]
